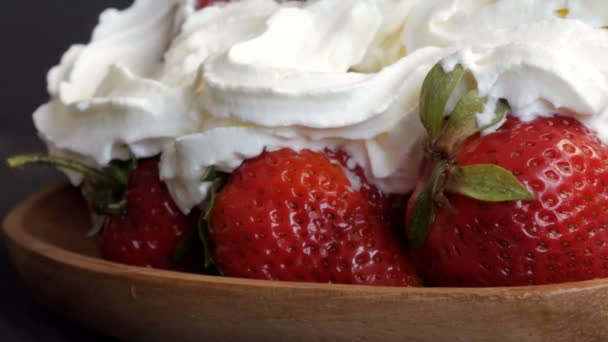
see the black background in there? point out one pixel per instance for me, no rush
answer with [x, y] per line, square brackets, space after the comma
[33, 36]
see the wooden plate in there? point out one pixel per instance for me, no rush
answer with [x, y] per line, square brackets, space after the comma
[45, 235]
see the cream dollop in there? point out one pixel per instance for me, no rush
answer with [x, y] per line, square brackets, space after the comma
[256, 75]
[541, 73]
[291, 85]
[105, 102]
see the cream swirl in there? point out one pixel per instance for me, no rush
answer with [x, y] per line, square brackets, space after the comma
[542, 73]
[256, 75]
[290, 86]
[105, 102]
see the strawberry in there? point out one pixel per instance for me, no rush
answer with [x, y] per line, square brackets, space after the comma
[141, 224]
[524, 205]
[150, 231]
[204, 3]
[297, 217]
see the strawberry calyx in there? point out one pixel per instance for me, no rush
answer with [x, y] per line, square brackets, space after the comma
[428, 201]
[217, 180]
[200, 4]
[103, 189]
[446, 134]
[200, 238]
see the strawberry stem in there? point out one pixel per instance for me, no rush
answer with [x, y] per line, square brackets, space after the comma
[85, 170]
[486, 182]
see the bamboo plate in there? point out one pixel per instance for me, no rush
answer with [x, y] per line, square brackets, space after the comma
[45, 236]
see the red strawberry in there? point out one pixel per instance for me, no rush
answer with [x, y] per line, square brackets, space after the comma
[143, 226]
[560, 236]
[557, 235]
[204, 3]
[150, 231]
[296, 217]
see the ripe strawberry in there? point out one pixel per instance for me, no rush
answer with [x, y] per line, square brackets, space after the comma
[296, 217]
[151, 229]
[142, 225]
[204, 3]
[558, 234]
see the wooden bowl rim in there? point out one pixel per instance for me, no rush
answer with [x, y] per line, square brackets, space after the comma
[13, 229]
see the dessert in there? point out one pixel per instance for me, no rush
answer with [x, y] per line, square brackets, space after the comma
[473, 224]
[380, 93]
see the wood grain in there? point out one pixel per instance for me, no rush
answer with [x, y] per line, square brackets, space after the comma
[45, 235]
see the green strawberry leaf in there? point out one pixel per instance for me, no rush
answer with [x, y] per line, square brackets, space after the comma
[422, 217]
[462, 122]
[210, 201]
[437, 88]
[490, 183]
[217, 180]
[202, 236]
[425, 207]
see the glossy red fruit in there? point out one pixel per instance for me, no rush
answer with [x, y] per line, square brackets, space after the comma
[297, 217]
[204, 3]
[560, 236]
[153, 226]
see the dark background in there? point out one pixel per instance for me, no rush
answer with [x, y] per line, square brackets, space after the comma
[33, 36]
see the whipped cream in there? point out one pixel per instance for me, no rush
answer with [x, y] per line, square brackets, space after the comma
[215, 87]
[105, 102]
